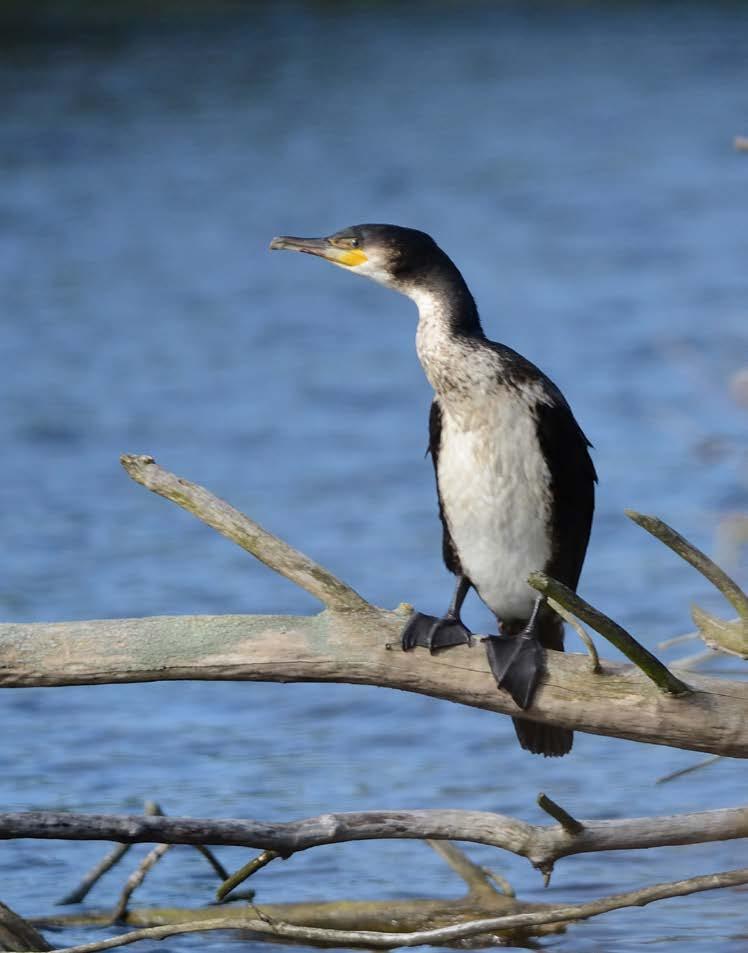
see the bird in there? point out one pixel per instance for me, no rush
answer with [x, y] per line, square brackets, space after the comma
[514, 478]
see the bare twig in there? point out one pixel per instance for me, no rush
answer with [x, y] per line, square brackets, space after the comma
[257, 863]
[218, 868]
[689, 770]
[136, 878]
[541, 845]
[699, 560]
[151, 807]
[95, 874]
[581, 632]
[114, 856]
[442, 935]
[677, 640]
[237, 527]
[687, 663]
[613, 632]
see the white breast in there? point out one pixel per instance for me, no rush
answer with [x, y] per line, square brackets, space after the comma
[493, 479]
[495, 490]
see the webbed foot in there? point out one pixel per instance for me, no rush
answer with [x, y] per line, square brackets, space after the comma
[434, 634]
[517, 663]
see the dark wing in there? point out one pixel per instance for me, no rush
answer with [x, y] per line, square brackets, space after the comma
[573, 479]
[449, 552]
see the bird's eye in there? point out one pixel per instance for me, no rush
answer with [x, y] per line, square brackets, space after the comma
[354, 243]
[347, 242]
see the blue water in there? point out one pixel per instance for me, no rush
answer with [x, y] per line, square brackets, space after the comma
[576, 162]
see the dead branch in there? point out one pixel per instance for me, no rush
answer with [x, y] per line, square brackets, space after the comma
[349, 643]
[449, 934]
[647, 663]
[237, 527]
[136, 878]
[572, 620]
[352, 647]
[696, 558]
[477, 880]
[232, 881]
[712, 759]
[95, 874]
[570, 824]
[402, 916]
[541, 845]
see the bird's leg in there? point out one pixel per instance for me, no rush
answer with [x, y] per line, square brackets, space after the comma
[517, 660]
[432, 633]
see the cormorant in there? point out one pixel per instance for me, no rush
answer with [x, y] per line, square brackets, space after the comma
[514, 478]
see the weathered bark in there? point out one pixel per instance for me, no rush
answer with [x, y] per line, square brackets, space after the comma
[352, 646]
[541, 845]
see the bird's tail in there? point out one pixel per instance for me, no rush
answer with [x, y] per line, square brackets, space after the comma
[548, 740]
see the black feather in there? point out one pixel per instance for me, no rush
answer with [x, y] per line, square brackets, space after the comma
[449, 550]
[573, 478]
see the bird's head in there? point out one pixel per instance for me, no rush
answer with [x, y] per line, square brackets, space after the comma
[400, 258]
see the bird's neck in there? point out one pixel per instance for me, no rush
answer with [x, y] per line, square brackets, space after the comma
[448, 327]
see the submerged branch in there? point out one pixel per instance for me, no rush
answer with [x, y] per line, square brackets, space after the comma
[449, 934]
[136, 878]
[95, 874]
[478, 881]
[110, 860]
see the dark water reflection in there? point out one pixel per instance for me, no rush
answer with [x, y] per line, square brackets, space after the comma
[576, 162]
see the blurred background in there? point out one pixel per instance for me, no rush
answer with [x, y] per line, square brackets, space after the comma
[576, 161]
